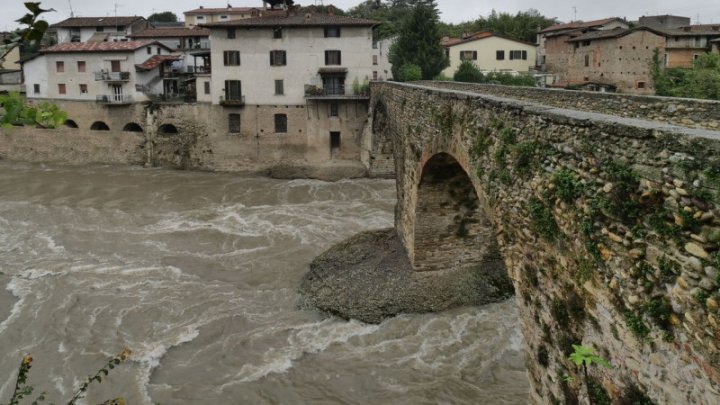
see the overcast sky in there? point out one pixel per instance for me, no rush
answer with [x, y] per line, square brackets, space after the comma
[707, 11]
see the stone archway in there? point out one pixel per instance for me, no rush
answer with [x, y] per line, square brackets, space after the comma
[451, 230]
[99, 126]
[132, 127]
[71, 124]
[167, 129]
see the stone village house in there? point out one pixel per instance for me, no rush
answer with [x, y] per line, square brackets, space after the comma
[490, 52]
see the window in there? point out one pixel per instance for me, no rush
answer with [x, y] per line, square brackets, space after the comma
[332, 58]
[280, 123]
[224, 17]
[468, 55]
[279, 88]
[36, 88]
[81, 66]
[99, 29]
[500, 55]
[334, 85]
[640, 85]
[587, 60]
[333, 110]
[586, 43]
[375, 75]
[334, 141]
[207, 87]
[277, 58]
[277, 32]
[375, 62]
[114, 65]
[234, 123]
[61, 88]
[200, 18]
[231, 58]
[332, 32]
[149, 50]
[83, 89]
[60, 66]
[231, 33]
[233, 90]
[518, 55]
[158, 50]
[696, 56]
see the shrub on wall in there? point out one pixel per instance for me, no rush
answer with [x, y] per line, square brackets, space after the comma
[468, 72]
[409, 73]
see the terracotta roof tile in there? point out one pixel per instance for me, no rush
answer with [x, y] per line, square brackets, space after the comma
[285, 19]
[156, 61]
[97, 21]
[172, 33]
[579, 24]
[120, 46]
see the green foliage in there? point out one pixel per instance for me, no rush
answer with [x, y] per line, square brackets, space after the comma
[632, 395]
[507, 79]
[409, 73]
[567, 185]
[22, 389]
[361, 89]
[30, 35]
[637, 326]
[524, 153]
[44, 115]
[442, 78]
[597, 394]
[521, 26]
[468, 72]
[585, 356]
[659, 311]
[702, 81]
[543, 221]
[418, 42]
[165, 16]
[621, 201]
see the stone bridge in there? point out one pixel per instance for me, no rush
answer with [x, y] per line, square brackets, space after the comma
[607, 224]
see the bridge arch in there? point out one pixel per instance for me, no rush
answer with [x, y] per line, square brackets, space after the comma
[132, 127]
[70, 123]
[167, 129]
[99, 126]
[451, 229]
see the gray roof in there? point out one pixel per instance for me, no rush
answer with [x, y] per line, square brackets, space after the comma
[291, 19]
[80, 22]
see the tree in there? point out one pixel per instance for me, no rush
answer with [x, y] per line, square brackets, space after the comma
[409, 73]
[165, 16]
[418, 42]
[468, 72]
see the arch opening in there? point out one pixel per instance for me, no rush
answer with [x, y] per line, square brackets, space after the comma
[132, 127]
[99, 126]
[167, 129]
[71, 124]
[451, 230]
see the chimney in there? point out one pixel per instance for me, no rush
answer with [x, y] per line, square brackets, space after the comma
[464, 35]
[331, 9]
[201, 7]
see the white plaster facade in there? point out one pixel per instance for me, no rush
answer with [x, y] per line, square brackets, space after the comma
[43, 80]
[84, 29]
[516, 56]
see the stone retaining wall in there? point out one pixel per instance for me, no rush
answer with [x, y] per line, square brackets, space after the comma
[609, 228]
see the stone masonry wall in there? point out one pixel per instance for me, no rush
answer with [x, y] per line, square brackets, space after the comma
[690, 113]
[609, 228]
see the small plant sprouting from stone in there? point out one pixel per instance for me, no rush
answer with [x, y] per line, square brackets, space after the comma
[567, 185]
[22, 389]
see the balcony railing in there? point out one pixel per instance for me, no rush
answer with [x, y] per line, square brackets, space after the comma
[202, 70]
[231, 102]
[311, 90]
[112, 76]
[113, 99]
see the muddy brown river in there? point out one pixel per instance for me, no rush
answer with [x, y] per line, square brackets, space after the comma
[197, 273]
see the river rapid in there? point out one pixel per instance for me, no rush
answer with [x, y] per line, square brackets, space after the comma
[197, 273]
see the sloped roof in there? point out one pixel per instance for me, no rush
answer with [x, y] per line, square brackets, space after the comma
[579, 24]
[613, 33]
[478, 36]
[156, 60]
[79, 22]
[172, 33]
[120, 46]
[221, 10]
[291, 19]
[692, 31]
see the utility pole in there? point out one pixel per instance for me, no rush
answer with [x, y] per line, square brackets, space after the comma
[574, 13]
[72, 14]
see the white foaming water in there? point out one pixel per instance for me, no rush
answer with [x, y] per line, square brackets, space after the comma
[197, 274]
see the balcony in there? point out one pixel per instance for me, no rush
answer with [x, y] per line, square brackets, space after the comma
[336, 92]
[113, 99]
[232, 102]
[112, 76]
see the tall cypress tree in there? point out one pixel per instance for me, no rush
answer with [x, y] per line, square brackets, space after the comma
[418, 42]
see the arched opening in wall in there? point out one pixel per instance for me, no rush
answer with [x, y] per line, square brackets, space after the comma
[132, 127]
[167, 129]
[71, 124]
[99, 126]
[451, 230]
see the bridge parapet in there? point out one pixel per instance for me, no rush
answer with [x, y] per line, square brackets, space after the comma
[609, 228]
[692, 113]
